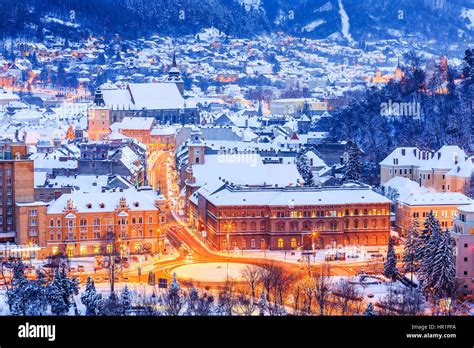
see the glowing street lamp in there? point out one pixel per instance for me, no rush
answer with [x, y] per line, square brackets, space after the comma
[314, 236]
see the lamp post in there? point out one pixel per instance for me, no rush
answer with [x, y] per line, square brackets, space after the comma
[314, 236]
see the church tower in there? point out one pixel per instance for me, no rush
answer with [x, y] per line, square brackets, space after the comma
[174, 76]
[196, 147]
[98, 119]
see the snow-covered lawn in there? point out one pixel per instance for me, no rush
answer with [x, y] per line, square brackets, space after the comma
[211, 272]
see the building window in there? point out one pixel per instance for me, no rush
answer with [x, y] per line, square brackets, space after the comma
[33, 212]
[244, 243]
[293, 242]
[280, 243]
[252, 243]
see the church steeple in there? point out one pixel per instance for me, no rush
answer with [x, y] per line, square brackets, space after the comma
[174, 76]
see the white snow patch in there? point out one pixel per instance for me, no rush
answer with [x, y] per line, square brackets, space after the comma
[345, 24]
[469, 14]
[313, 25]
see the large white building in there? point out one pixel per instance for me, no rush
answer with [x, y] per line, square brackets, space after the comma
[463, 234]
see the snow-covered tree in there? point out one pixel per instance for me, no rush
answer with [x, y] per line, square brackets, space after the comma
[125, 300]
[173, 299]
[444, 269]
[429, 242]
[304, 168]
[262, 304]
[353, 167]
[390, 267]
[56, 296]
[91, 299]
[370, 311]
[410, 264]
[431, 224]
[25, 296]
[193, 300]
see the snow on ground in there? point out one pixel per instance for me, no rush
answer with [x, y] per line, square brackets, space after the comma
[211, 272]
[353, 254]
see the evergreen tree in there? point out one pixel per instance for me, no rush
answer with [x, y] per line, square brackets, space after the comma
[304, 168]
[430, 247]
[173, 299]
[410, 264]
[91, 299]
[370, 311]
[390, 267]
[55, 295]
[262, 304]
[444, 267]
[125, 300]
[430, 224]
[353, 166]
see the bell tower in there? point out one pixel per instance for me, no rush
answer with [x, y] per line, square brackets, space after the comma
[196, 147]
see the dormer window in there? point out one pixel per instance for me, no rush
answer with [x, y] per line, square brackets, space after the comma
[89, 205]
[403, 152]
[136, 204]
[102, 205]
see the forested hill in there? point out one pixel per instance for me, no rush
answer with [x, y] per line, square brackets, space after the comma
[448, 20]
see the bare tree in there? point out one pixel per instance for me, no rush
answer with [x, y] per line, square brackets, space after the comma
[252, 275]
[323, 288]
[227, 298]
[246, 304]
[347, 297]
[307, 285]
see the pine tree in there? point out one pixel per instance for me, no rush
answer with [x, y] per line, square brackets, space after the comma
[91, 299]
[262, 304]
[370, 311]
[56, 296]
[173, 299]
[125, 300]
[432, 238]
[353, 166]
[390, 267]
[410, 264]
[304, 168]
[444, 269]
[430, 224]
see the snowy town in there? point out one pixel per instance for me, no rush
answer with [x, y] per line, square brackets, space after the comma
[208, 174]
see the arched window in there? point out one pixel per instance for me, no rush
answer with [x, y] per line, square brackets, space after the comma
[374, 240]
[243, 244]
[374, 223]
[252, 243]
[345, 241]
[280, 243]
[365, 240]
[356, 240]
[356, 224]
[140, 220]
[293, 242]
[134, 220]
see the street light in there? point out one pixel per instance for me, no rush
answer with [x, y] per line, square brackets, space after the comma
[314, 236]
